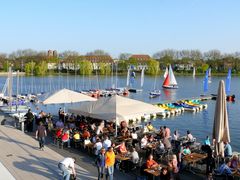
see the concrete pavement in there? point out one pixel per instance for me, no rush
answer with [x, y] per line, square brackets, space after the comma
[21, 158]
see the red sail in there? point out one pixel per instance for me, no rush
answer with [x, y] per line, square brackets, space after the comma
[166, 81]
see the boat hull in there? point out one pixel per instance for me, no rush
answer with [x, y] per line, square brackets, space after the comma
[170, 86]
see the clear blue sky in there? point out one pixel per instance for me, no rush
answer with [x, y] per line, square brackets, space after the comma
[134, 26]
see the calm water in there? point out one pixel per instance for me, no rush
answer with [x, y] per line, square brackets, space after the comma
[200, 124]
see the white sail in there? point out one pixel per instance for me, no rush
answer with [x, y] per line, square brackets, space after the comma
[166, 73]
[128, 76]
[209, 72]
[142, 77]
[172, 77]
[194, 71]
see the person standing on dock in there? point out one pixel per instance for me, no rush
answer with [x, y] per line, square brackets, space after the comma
[29, 120]
[41, 133]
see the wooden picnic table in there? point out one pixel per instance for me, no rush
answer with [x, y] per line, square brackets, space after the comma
[155, 171]
[194, 157]
[120, 157]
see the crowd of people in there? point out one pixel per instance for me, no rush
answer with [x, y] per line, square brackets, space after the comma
[132, 148]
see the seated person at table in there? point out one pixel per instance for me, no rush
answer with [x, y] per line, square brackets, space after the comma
[186, 151]
[145, 128]
[66, 137]
[175, 135]
[151, 163]
[134, 156]
[94, 138]
[151, 139]
[86, 134]
[59, 124]
[234, 162]
[93, 127]
[144, 141]
[98, 146]
[224, 169]
[150, 126]
[134, 138]
[76, 136]
[110, 127]
[227, 149]
[125, 132]
[207, 141]
[122, 148]
[189, 136]
[107, 142]
[59, 133]
[165, 175]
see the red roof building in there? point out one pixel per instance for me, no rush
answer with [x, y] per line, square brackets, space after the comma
[140, 57]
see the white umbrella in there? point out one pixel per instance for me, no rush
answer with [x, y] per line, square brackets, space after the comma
[67, 96]
[220, 125]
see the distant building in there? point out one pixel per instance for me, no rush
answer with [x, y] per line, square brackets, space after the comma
[50, 53]
[141, 59]
[55, 54]
[98, 59]
[184, 67]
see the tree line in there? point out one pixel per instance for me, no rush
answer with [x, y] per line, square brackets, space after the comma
[36, 62]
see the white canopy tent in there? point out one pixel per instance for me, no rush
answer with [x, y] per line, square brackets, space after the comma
[116, 108]
[67, 96]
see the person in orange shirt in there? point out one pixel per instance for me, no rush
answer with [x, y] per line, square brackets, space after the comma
[86, 134]
[151, 163]
[109, 163]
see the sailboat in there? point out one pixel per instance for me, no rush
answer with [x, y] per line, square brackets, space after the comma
[194, 72]
[155, 92]
[132, 80]
[209, 75]
[170, 80]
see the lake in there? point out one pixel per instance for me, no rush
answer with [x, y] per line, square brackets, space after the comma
[200, 124]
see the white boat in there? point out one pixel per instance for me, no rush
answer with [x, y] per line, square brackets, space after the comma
[155, 93]
[170, 80]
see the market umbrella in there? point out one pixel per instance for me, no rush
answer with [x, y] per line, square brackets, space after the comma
[220, 124]
[67, 96]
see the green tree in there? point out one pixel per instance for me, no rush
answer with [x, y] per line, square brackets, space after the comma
[86, 67]
[104, 68]
[122, 65]
[205, 67]
[29, 67]
[41, 68]
[153, 67]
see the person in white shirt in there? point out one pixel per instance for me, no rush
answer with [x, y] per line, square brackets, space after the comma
[134, 138]
[67, 167]
[145, 128]
[107, 143]
[175, 135]
[144, 141]
[189, 136]
[98, 146]
[134, 156]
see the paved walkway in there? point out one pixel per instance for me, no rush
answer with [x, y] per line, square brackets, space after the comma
[21, 158]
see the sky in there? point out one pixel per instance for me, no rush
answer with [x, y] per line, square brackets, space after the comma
[119, 26]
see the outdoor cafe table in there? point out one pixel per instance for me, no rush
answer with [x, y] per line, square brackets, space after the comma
[193, 158]
[155, 172]
[121, 158]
